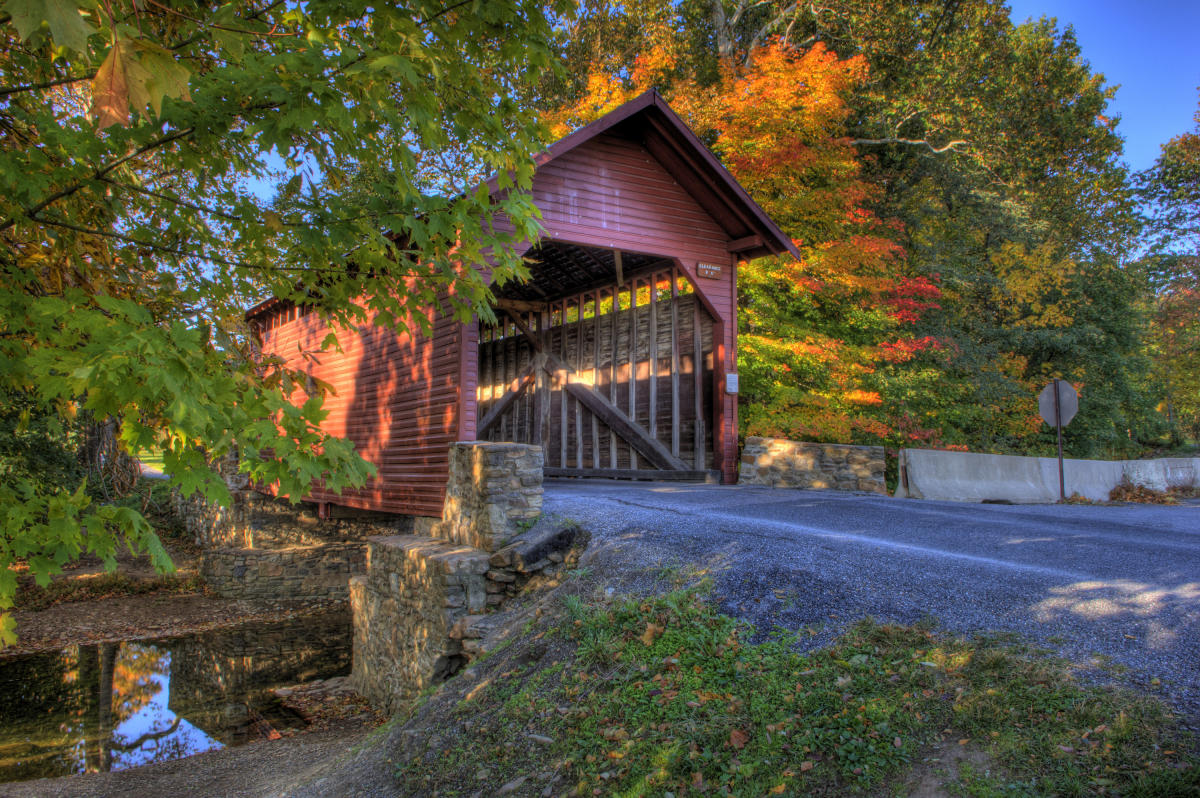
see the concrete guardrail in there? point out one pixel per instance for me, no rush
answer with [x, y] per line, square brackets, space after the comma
[972, 477]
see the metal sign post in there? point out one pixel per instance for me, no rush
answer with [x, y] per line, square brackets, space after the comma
[1058, 403]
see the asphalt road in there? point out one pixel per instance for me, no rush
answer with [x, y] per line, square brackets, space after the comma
[1100, 585]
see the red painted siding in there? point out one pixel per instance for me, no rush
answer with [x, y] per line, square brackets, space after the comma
[397, 399]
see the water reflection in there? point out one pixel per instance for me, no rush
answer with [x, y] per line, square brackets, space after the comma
[118, 705]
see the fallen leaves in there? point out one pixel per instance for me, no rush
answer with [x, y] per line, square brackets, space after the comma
[651, 634]
[738, 739]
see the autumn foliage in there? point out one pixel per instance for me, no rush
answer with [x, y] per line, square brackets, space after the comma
[821, 339]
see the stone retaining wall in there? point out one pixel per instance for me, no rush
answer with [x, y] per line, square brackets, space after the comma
[300, 572]
[414, 592]
[493, 493]
[259, 521]
[421, 609]
[780, 463]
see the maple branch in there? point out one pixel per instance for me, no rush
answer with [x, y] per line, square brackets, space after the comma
[217, 259]
[169, 198]
[49, 84]
[100, 173]
[217, 26]
[914, 142]
[443, 12]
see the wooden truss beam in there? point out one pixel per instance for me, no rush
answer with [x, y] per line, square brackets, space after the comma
[658, 455]
[587, 395]
[521, 305]
[516, 389]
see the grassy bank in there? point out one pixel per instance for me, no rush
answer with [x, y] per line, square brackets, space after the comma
[668, 697]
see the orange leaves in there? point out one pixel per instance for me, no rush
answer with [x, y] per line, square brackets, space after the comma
[738, 739]
[861, 397]
[652, 632]
[110, 92]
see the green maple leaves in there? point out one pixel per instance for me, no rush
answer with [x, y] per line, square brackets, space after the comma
[139, 74]
[135, 73]
[63, 18]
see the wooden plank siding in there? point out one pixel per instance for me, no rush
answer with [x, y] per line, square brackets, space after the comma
[397, 398]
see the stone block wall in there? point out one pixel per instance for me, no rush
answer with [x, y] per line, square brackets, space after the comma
[259, 521]
[422, 607]
[494, 492]
[415, 591]
[320, 572]
[780, 463]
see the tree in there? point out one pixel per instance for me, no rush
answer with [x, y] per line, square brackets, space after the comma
[1171, 191]
[165, 165]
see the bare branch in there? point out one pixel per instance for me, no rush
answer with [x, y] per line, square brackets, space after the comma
[49, 84]
[914, 142]
[774, 21]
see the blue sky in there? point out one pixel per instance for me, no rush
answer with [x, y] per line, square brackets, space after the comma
[1150, 48]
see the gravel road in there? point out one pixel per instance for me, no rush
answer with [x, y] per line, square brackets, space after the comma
[1100, 585]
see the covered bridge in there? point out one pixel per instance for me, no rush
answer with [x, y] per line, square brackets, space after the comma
[617, 356]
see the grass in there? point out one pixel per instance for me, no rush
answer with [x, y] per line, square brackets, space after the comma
[666, 696]
[151, 459]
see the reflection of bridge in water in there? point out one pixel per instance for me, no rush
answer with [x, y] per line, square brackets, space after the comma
[118, 705]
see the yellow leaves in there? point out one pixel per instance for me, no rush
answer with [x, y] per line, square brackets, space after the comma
[110, 93]
[1033, 285]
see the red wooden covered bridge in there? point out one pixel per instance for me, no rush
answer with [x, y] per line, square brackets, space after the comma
[617, 356]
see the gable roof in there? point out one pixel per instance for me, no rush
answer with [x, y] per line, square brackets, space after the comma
[649, 120]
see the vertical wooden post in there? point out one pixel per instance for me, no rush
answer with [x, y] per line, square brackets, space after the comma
[527, 400]
[596, 375]
[578, 370]
[718, 373]
[701, 455]
[653, 353]
[633, 363]
[674, 362]
[612, 372]
[504, 376]
[562, 394]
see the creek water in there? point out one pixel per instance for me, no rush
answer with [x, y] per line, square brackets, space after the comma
[112, 706]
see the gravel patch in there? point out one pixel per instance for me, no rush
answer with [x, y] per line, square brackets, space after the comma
[1114, 589]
